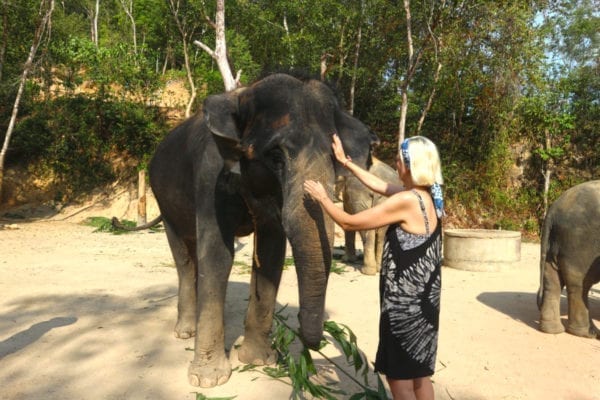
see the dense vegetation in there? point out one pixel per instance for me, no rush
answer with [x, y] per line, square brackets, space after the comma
[509, 90]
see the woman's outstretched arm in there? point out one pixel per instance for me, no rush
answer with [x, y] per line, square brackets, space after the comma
[371, 181]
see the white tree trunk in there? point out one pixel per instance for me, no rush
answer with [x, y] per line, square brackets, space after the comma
[95, 23]
[355, 67]
[412, 64]
[547, 173]
[188, 69]
[45, 13]
[430, 100]
[219, 54]
[407, 77]
[186, 57]
[141, 216]
[128, 7]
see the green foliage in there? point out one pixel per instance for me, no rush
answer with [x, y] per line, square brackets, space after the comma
[200, 396]
[507, 81]
[337, 268]
[103, 224]
[73, 135]
[288, 262]
[299, 369]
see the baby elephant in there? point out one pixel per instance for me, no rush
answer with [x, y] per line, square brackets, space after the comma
[570, 256]
[357, 197]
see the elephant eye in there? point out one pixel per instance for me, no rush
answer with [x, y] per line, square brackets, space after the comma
[276, 158]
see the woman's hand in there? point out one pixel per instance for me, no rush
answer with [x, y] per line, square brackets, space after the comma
[315, 190]
[338, 149]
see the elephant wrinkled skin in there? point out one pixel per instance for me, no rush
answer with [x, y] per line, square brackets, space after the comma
[570, 256]
[237, 167]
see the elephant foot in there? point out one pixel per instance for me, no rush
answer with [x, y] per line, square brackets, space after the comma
[256, 352]
[552, 326]
[185, 328]
[368, 270]
[209, 372]
[583, 331]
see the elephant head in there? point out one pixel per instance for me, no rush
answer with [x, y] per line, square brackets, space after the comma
[278, 133]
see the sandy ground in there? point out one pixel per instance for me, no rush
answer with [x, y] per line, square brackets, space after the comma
[89, 315]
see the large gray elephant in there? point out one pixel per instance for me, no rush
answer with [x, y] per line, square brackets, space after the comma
[570, 256]
[357, 197]
[238, 167]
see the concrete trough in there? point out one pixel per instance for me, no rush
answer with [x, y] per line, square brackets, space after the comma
[481, 249]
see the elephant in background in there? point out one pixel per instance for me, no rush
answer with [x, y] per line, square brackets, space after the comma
[237, 167]
[357, 197]
[570, 256]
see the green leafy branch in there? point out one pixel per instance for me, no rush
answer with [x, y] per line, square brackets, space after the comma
[300, 369]
[103, 224]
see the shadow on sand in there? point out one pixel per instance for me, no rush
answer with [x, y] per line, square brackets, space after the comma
[525, 310]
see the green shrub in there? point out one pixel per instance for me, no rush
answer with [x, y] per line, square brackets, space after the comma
[76, 137]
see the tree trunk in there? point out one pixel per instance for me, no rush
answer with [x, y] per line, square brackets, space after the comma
[95, 23]
[356, 55]
[406, 81]
[141, 217]
[547, 174]
[4, 42]
[128, 8]
[430, 100]
[46, 9]
[188, 69]
[324, 67]
[185, 34]
[219, 54]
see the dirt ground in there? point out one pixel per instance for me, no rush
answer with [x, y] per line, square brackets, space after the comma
[88, 315]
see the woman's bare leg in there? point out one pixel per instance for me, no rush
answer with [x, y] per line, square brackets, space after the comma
[424, 388]
[411, 389]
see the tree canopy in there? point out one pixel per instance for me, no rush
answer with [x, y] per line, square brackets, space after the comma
[508, 90]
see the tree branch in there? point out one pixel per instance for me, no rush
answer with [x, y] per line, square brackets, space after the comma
[205, 48]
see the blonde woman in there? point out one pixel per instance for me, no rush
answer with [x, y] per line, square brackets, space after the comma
[410, 280]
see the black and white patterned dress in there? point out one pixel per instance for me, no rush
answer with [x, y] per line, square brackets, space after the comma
[409, 289]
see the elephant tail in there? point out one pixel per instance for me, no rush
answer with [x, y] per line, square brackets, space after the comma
[544, 247]
[117, 224]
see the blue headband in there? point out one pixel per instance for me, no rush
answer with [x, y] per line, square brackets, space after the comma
[405, 156]
[435, 189]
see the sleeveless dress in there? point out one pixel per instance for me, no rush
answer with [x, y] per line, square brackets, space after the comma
[409, 289]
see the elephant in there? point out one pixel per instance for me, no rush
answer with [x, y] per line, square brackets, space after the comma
[357, 197]
[570, 256]
[237, 167]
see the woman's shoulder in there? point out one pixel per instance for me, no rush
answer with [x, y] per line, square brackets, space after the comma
[408, 195]
[404, 199]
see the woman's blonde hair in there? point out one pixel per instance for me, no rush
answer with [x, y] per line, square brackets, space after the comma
[423, 161]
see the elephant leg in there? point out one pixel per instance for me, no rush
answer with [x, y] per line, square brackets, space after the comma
[186, 272]
[550, 308]
[211, 366]
[579, 318]
[593, 332]
[350, 247]
[369, 243]
[267, 267]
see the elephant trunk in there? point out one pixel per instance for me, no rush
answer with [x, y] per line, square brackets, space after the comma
[312, 270]
[310, 233]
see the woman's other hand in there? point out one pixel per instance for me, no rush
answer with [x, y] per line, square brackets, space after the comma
[315, 190]
[338, 149]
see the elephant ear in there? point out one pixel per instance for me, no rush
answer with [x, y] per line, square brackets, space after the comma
[220, 117]
[357, 138]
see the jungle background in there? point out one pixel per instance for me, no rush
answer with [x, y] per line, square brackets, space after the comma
[509, 90]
